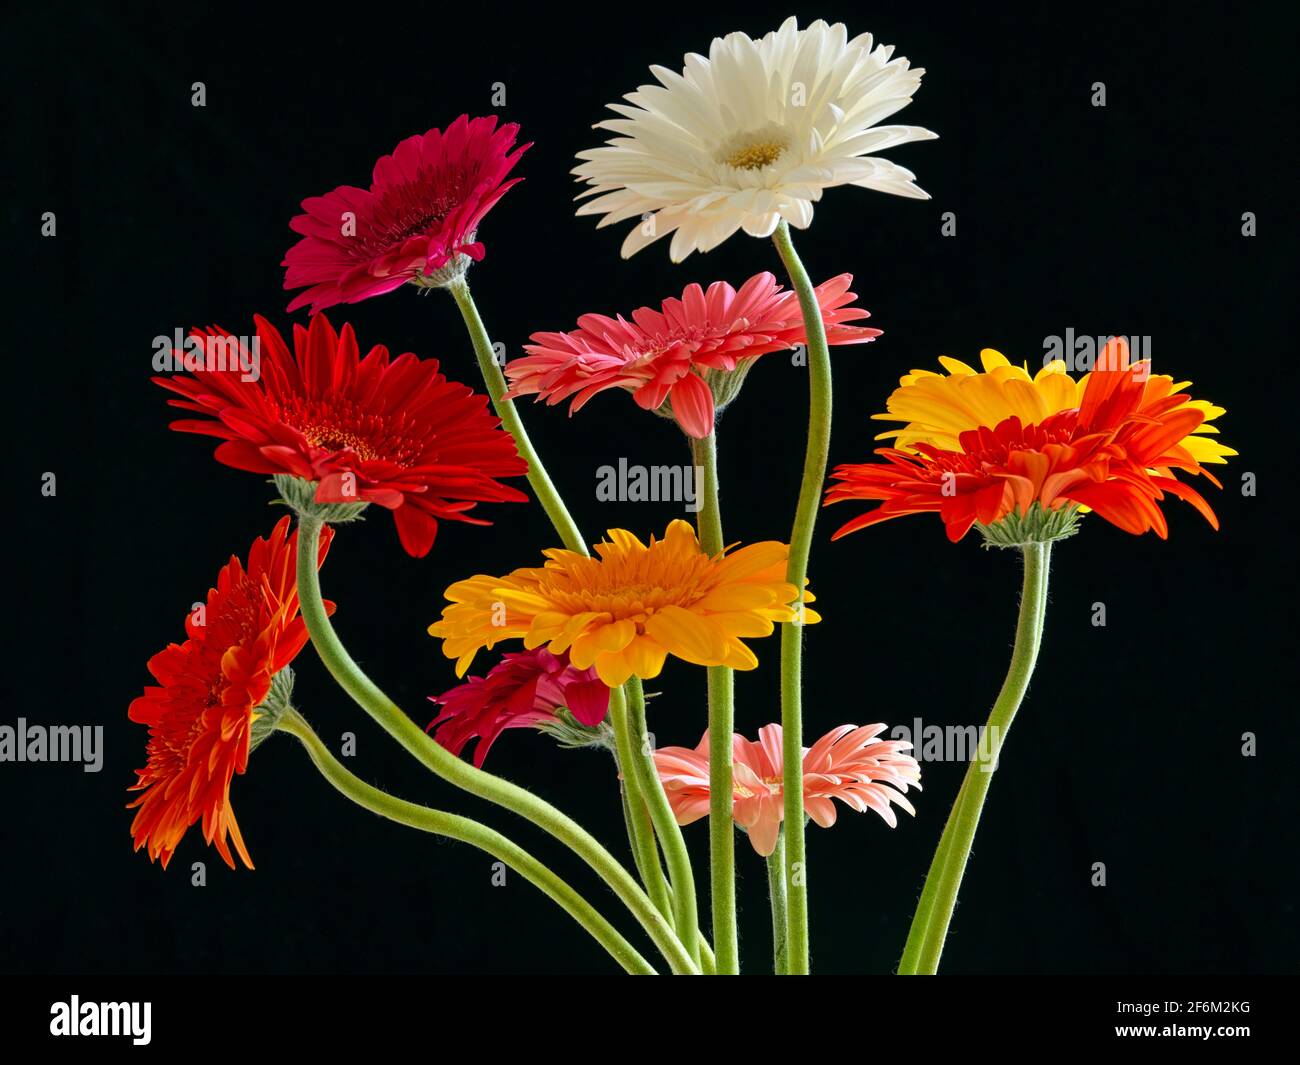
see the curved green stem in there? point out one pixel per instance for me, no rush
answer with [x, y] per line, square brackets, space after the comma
[925, 905]
[708, 962]
[640, 828]
[632, 830]
[722, 713]
[461, 774]
[805, 517]
[639, 834]
[495, 381]
[685, 920]
[452, 826]
[965, 816]
[776, 893]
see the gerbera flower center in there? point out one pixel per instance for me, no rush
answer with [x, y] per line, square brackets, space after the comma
[654, 346]
[337, 424]
[413, 210]
[755, 155]
[774, 787]
[993, 448]
[332, 438]
[614, 588]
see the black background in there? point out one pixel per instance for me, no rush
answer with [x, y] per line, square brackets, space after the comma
[1122, 219]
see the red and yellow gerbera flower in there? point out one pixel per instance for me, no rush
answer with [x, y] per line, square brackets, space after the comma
[200, 715]
[368, 430]
[977, 447]
[629, 607]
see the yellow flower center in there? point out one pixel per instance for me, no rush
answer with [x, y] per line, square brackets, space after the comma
[333, 438]
[620, 586]
[756, 156]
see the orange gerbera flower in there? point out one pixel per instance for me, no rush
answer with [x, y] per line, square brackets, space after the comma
[625, 610]
[980, 447]
[200, 717]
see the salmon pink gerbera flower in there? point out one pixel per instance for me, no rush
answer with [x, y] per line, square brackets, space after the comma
[523, 690]
[200, 716]
[418, 220]
[629, 607]
[367, 430]
[1002, 448]
[691, 354]
[849, 764]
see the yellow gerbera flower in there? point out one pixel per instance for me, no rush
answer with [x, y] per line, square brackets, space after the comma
[629, 607]
[938, 408]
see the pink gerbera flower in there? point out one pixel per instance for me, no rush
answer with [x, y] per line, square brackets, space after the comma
[365, 430]
[418, 218]
[848, 764]
[523, 691]
[692, 353]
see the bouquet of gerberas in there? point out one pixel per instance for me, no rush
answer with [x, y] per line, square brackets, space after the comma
[747, 138]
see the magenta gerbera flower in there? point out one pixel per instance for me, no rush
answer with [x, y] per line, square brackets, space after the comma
[523, 691]
[691, 353]
[417, 221]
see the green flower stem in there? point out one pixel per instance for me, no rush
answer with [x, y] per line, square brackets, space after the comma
[776, 892]
[708, 962]
[647, 859]
[965, 816]
[640, 829]
[461, 774]
[685, 920]
[925, 906]
[495, 381]
[452, 826]
[805, 517]
[631, 827]
[721, 688]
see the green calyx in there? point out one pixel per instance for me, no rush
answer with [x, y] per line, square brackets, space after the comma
[569, 732]
[1038, 525]
[724, 384]
[446, 276]
[299, 494]
[266, 717]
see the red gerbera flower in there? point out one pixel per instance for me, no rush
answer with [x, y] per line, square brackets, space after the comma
[200, 718]
[421, 212]
[522, 691]
[368, 430]
[682, 352]
[1109, 442]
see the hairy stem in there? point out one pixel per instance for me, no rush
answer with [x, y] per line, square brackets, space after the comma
[495, 381]
[805, 518]
[442, 762]
[453, 826]
[965, 816]
[722, 712]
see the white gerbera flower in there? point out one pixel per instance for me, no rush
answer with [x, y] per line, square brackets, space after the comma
[751, 135]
